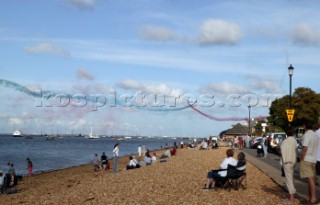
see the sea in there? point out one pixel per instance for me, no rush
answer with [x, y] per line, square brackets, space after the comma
[58, 153]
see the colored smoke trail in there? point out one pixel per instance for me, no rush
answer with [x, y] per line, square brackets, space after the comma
[37, 94]
[40, 94]
[225, 119]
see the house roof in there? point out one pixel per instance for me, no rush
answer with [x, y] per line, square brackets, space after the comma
[238, 129]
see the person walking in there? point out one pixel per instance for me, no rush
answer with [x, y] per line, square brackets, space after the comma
[115, 157]
[30, 167]
[264, 146]
[309, 159]
[288, 150]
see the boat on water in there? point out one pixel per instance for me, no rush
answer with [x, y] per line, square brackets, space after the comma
[50, 137]
[119, 138]
[92, 136]
[17, 133]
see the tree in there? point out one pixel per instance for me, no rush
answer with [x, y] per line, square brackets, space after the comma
[306, 103]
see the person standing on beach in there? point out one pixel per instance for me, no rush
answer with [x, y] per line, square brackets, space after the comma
[139, 150]
[104, 161]
[115, 157]
[288, 150]
[309, 159]
[318, 153]
[30, 167]
[95, 163]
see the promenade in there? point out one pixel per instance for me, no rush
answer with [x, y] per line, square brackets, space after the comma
[275, 173]
[178, 181]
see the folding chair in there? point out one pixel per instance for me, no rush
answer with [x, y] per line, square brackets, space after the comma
[234, 180]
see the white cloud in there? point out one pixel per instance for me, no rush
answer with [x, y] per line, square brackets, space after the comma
[219, 32]
[304, 35]
[157, 33]
[81, 73]
[150, 88]
[225, 88]
[130, 84]
[83, 4]
[267, 84]
[15, 121]
[47, 48]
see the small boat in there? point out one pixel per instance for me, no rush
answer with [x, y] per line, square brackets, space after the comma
[50, 137]
[92, 136]
[17, 133]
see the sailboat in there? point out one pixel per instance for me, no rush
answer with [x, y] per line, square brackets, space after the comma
[92, 136]
[17, 133]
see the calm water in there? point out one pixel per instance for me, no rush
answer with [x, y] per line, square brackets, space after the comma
[66, 152]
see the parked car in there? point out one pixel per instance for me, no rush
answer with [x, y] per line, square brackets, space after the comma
[255, 142]
[274, 141]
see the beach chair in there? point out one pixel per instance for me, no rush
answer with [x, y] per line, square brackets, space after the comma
[235, 179]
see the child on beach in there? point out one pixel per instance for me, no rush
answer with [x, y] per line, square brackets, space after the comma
[30, 167]
[104, 161]
[95, 163]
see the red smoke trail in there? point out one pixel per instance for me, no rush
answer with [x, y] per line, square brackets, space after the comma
[225, 119]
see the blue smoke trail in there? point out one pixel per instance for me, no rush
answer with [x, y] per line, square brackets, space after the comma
[41, 94]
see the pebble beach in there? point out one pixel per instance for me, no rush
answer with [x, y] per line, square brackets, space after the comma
[179, 180]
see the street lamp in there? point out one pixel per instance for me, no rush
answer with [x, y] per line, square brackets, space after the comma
[290, 70]
[249, 123]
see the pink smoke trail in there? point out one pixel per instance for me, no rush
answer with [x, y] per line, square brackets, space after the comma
[225, 119]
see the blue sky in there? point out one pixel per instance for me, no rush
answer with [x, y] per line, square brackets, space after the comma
[232, 53]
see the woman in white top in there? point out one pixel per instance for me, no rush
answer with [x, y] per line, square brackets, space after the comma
[154, 158]
[147, 159]
[132, 163]
[216, 174]
[115, 157]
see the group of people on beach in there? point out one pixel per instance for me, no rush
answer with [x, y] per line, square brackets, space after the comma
[148, 158]
[9, 177]
[103, 163]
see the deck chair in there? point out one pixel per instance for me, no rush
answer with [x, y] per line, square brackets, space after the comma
[235, 179]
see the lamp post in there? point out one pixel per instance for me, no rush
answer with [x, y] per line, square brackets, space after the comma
[249, 121]
[290, 71]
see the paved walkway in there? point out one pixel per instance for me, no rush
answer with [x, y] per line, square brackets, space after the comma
[275, 174]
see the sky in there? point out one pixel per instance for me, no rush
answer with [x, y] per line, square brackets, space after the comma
[152, 68]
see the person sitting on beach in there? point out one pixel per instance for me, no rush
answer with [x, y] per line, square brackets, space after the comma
[214, 175]
[154, 158]
[241, 164]
[147, 159]
[10, 175]
[95, 163]
[173, 151]
[104, 161]
[132, 163]
[204, 145]
[166, 154]
[1, 178]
